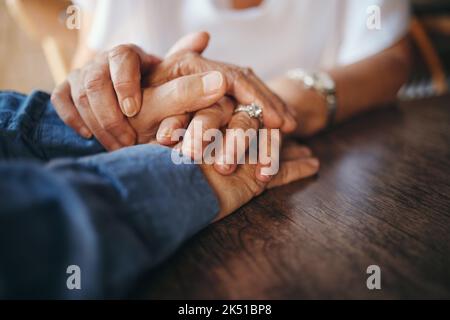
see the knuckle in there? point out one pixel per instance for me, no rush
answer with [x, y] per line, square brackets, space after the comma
[243, 121]
[81, 99]
[185, 63]
[69, 118]
[120, 51]
[177, 69]
[111, 124]
[96, 80]
[246, 71]
[122, 84]
[243, 81]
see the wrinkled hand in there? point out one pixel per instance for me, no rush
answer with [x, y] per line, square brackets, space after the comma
[176, 97]
[235, 190]
[95, 98]
[242, 84]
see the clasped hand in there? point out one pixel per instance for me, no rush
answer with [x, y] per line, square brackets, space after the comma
[126, 96]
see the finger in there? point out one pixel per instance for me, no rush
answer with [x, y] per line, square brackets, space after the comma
[288, 120]
[185, 94]
[125, 63]
[66, 110]
[248, 88]
[241, 133]
[168, 126]
[103, 102]
[292, 151]
[214, 117]
[269, 155]
[240, 83]
[81, 102]
[196, 42]
[294, 170]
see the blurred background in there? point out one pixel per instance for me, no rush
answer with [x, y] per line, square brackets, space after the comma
[36, 48]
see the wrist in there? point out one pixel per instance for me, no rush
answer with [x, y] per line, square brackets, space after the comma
[309, 105]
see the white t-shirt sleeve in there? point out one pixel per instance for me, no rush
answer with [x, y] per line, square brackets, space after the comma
[360, 38]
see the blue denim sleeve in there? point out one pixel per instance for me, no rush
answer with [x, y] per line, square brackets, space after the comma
[114, 215]
[31, 129]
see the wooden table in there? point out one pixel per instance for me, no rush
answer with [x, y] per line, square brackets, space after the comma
[382, 198]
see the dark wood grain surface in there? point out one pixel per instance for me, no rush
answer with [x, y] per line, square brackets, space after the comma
[382, 197]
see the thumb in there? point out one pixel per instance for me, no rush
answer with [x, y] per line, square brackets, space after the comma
[185, 94]
[196, 42]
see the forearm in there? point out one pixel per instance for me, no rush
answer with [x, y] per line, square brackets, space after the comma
[372, 82]
[362, 86]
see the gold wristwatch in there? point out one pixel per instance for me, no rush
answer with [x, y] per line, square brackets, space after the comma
[321, 82]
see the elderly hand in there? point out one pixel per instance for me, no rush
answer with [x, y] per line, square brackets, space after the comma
[95, 98]
[242, 84]
[235, 190]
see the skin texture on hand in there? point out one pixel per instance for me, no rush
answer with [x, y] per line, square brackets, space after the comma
[177, 97]
[237, 189]
[242, 84]
[309, 105]
[94, 99]
[98, 98]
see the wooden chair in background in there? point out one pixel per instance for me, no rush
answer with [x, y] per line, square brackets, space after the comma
[430, 56]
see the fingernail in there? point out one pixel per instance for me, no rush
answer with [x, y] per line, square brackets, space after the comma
[85, 132]
[222, 166]
[164, 134]
[314, 162]
[212, 82]
[129, 107]
[264, 177]
[126, 140]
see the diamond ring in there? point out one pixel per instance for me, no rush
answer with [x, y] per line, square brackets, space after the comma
[253, 110]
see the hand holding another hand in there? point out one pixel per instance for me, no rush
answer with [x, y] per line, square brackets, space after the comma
[237, 189]
[126, 96]
[99, 98]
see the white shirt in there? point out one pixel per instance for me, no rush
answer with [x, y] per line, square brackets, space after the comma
[276, 36]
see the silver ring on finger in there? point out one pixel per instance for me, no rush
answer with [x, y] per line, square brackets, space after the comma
[253, 110]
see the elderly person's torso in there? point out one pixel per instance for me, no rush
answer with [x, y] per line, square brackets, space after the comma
[272, 37]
